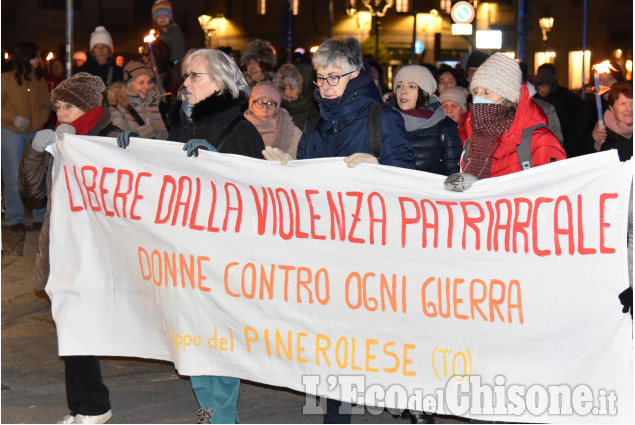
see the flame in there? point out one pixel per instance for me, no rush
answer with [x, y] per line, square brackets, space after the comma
[6, 55]
[604, 67]
[150, 37]
[50, 56]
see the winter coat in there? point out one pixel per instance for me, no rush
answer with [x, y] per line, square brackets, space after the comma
[615, 140]
[434, 140]
[278, 132]
[544, 145]
[120, 99]
[35, 169]
[175, 40]
[218, 120]
[108, 72]
[343, 126]
[304, 106]
[29, 100]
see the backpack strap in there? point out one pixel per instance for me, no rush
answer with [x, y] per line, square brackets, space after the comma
[374, 128]
[310, 128]
[136, 115]
[524, 149]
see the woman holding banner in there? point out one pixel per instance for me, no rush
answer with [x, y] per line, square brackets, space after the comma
[77, 102]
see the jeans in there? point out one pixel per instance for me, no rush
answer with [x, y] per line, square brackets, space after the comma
[220, 393]
[86, 394]
[13, 145]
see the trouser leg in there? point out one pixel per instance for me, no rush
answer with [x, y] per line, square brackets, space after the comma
[86, 394]
[220, 393]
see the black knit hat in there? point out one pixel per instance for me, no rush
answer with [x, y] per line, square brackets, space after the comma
[82, 90]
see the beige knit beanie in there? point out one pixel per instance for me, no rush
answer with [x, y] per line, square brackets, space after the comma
[500, 74]
[100, 35]
[419, 74]
[456, 94]
[82, 90]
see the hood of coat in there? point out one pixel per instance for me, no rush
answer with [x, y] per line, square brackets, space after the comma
[216, 104]
[121, 96]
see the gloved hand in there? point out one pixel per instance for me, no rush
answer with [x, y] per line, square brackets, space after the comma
[193, 145]
[276, 154]
[21, 122]
[358, 158]
[42, 139]
[458, 182]
[123, 138]
[626, 298]
[63, 129]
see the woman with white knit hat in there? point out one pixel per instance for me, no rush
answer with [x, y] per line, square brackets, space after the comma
[500, 111]
[100, 63]
[432, 135]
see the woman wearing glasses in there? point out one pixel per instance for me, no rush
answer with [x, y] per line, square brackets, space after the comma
[273, 122]
[209, 117]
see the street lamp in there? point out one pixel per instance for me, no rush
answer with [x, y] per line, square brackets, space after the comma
[377, 9]
[211, 25]
[546, 23]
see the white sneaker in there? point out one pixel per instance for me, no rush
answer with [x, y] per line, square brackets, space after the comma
[68, 419]
[97, 419]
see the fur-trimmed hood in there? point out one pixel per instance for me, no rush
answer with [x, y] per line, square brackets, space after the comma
[216, 104]
[117, 96]
[260, 51]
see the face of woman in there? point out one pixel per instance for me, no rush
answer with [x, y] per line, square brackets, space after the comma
[263, 108]
[199, 85]
[407, 93]
[334, 71]
[254, 71]
[623, 109]
[67, 113]
[141, 86]
[291, 92]
[487, 94]
[452, 110]
[101, 52]
[445, 80]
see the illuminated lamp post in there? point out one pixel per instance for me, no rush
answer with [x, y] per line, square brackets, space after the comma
[377, 9]
[211, 25]
[546, 24]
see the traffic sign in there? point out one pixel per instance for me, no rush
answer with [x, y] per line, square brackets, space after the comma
[462, 12]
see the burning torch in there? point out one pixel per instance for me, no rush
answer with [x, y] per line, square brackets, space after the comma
[148, 39]
[600, 68]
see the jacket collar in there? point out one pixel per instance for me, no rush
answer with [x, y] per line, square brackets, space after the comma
[216, 104]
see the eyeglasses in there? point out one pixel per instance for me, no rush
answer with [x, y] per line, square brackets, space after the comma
[261, 104]
[333, 80]
[193, 75]
[58, 107]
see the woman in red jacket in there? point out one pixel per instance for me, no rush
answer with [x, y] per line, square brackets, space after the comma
[500, 111]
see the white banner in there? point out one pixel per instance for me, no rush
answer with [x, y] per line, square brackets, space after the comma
[370, 284]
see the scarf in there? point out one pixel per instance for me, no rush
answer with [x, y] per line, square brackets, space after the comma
[86, 122]
[616, 126]
[489, 121]
[279, 132]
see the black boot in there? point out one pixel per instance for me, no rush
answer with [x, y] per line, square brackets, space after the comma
[421, 418]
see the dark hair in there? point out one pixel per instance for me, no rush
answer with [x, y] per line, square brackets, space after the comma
[458, 77]
[21, 57]
[423, 99]
[624, 88]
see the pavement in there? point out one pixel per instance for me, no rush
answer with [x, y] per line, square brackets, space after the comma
[141, 391]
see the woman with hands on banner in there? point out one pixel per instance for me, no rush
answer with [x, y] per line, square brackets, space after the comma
[617, 133]
[134, 105]
[77, 102]
[348, 99]
[500, 113]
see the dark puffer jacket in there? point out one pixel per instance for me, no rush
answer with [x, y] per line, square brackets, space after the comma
[343, 127]
[108, 72]
[435, 141]
[218, 120]
[35, 168]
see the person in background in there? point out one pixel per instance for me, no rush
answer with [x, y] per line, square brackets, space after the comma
[134, 105]
[432, 135]
[100, 62]
[25, 109]
[296, 92]
[475, 60]
[258, 62]
[273, 122]
[573, 113]
[79, 58]
[454, 103]
[77, 102]
[449, 77]
[501, 110]
[57, 73]
[168, 31]
[378, 76]
[617, 133]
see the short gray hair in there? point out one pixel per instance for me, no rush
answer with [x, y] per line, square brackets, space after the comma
[223, 71]
[346, 53]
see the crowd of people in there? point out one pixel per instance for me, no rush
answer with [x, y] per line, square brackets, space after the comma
[463, 125]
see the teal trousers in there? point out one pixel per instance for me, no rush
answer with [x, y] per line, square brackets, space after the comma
[220, 393]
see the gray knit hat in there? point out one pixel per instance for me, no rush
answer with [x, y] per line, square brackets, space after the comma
[419, 74]
[82, 90]
[456, 94]
[500, 74]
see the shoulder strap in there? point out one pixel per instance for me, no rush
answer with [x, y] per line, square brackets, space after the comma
[310, 128]
[524, 149]
[135, 115]
[225, 133]
[374, 128]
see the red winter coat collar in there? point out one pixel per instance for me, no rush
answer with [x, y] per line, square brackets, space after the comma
[544, 145]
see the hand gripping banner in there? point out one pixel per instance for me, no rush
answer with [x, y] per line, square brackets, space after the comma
[371, 284]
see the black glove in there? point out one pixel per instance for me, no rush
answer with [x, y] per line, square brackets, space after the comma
[626, 298]
[193, 145]
[123, 139]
